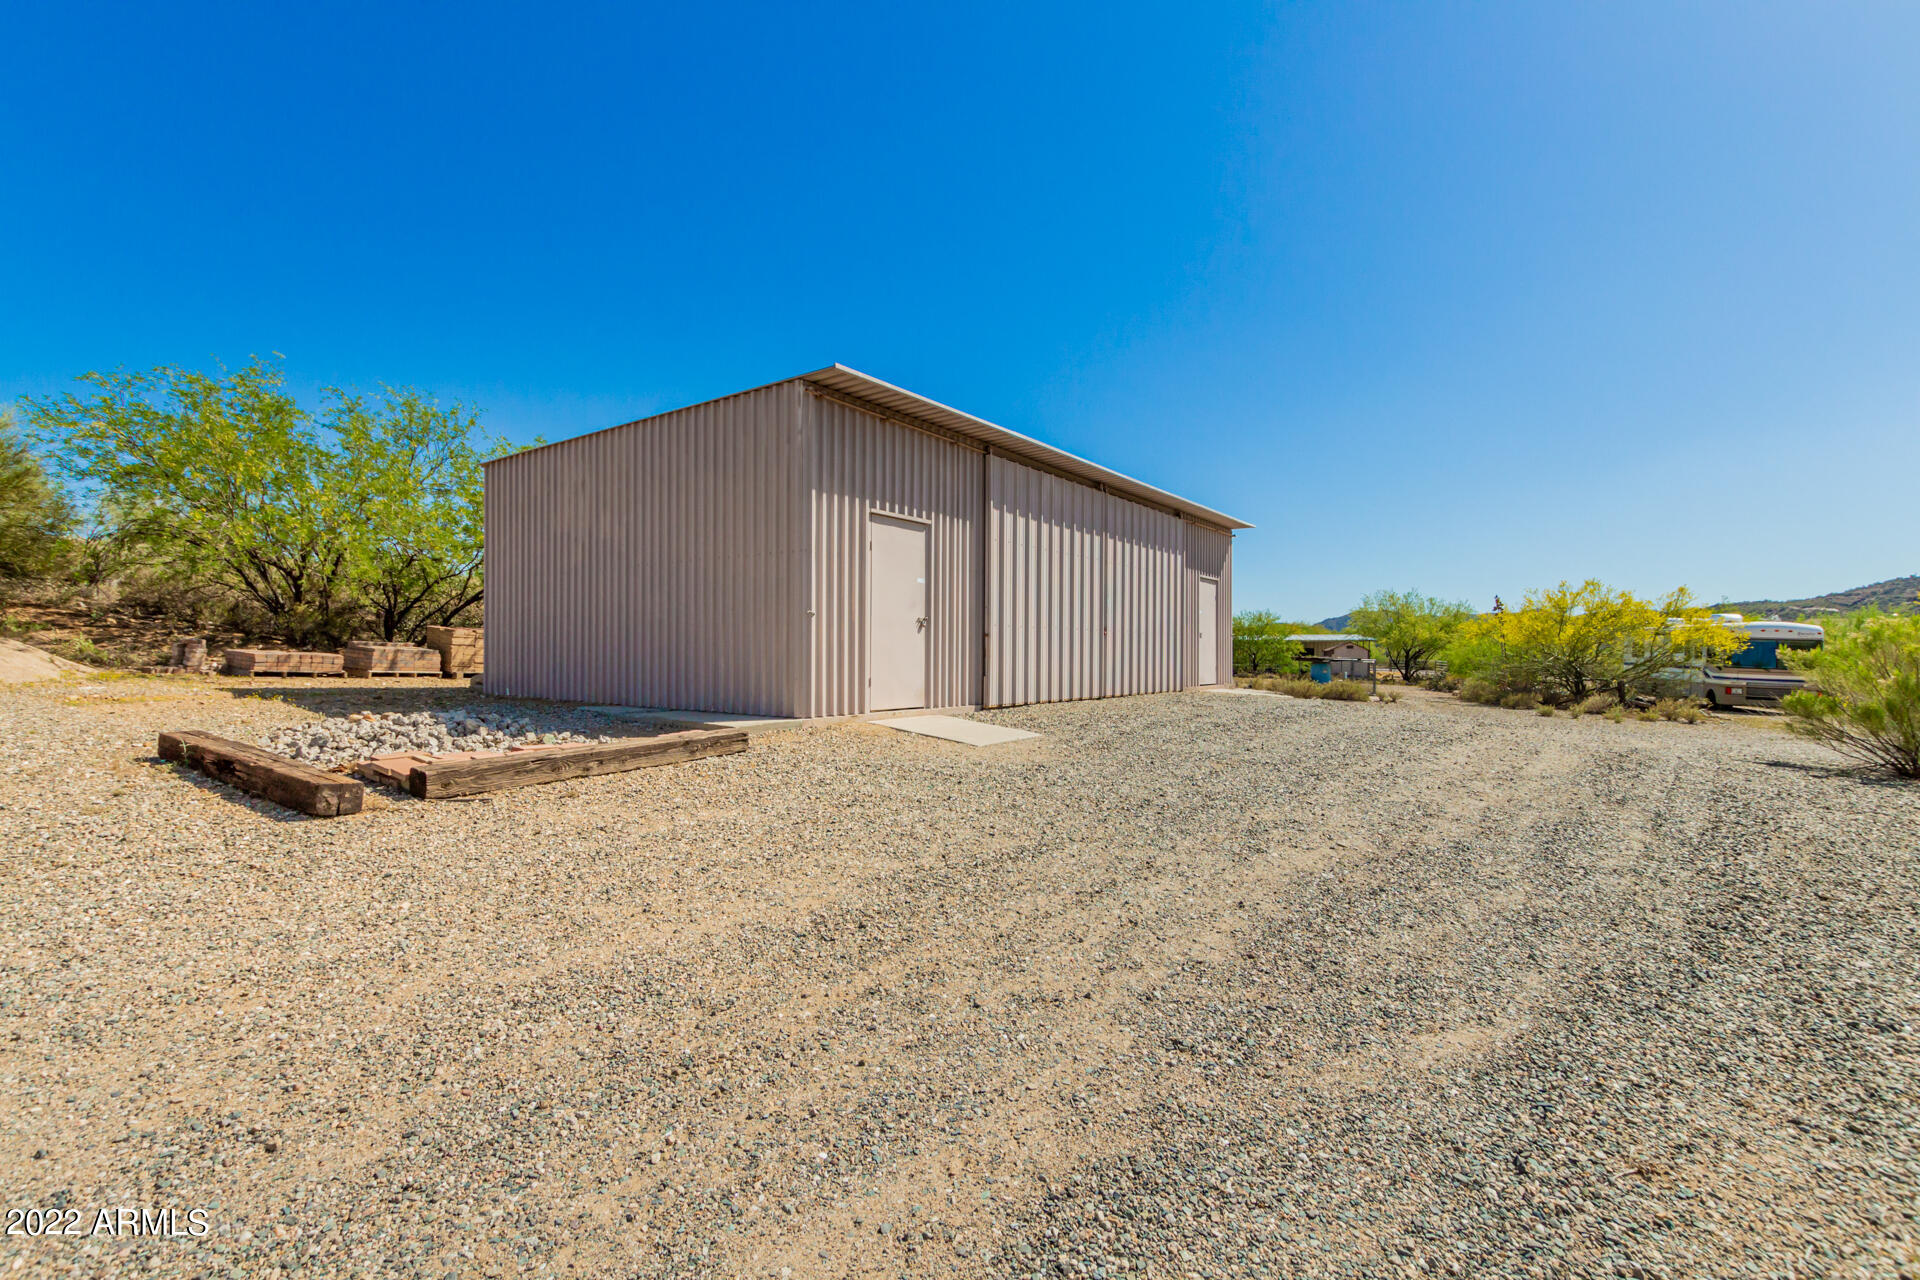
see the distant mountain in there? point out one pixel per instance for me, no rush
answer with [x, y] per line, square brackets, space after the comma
[1891, 594]
[1337, 623]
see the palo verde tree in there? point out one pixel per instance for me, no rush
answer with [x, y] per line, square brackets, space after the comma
[412, 471]
[33, 514]
[369, 516]
[1410, 629]
[1260, 644]
[1568, 642]
[225, 471]
[1864, 694]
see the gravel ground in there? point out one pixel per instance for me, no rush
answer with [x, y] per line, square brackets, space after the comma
[362, 735]
[1197, 985]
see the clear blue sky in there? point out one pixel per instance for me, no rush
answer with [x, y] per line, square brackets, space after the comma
[1470, 298]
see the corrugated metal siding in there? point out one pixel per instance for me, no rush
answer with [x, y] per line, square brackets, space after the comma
[1210, 554]
[1084, 591]
[886, 396]
[864, 464]
[660, 564]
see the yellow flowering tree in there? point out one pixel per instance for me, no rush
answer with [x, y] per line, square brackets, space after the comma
[1568, 642]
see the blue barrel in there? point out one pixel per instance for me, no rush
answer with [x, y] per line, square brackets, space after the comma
[1318, 670]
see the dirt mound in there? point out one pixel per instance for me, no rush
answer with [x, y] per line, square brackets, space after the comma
[20, 663]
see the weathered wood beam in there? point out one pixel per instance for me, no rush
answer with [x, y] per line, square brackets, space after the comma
[435, 781]
[262, 773]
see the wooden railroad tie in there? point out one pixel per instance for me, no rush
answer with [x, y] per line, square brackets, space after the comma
[437, 780]
[264, 774]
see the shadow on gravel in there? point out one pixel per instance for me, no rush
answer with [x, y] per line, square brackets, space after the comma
[1865, 774]
[400, 695]
[201, 782]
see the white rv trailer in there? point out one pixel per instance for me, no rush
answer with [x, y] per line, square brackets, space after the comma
[1756, 673]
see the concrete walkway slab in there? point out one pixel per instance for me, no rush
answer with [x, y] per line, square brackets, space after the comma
[695, 719]
[974, 733]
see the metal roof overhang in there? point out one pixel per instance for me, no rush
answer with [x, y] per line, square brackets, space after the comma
[859, 386]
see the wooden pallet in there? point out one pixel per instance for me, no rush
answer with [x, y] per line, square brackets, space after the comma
[262, 773]
[282, 662]
[462, 649]
[372, 658]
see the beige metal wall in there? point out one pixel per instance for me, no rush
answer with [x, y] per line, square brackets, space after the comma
[864, 464]
[1210, 554]
[660, 564]
[715, 558]
[1084, 591]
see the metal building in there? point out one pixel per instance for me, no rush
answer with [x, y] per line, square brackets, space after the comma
[832, 545]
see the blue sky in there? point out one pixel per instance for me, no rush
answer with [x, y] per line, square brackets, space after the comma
[1469, 298]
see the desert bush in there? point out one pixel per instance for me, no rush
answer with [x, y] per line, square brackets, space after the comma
[1518, 701]
[1615, 713]
[1864, 699]
[1595, 705]
[81, 649]
[1684, 709]
[1474, 689]
[1389, 695]
[1441, 682]
[1545, 710]
[1345, 690]
[1301, 687]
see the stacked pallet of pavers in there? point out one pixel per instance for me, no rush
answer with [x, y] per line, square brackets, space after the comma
[377, 658]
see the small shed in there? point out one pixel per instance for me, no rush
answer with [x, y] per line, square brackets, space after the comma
[1350, 647]
[834, 545]
[1330, 658]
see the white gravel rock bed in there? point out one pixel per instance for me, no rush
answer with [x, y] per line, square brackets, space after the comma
[361, 735]
[1192, 985]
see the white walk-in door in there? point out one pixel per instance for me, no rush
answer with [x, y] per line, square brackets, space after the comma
[1204, 629]
[897, 623]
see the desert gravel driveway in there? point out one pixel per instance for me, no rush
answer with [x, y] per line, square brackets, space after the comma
[1202, 984]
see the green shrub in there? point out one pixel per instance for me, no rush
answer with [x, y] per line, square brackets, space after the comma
[1686, 709]
[1615, 713]
[1474, 689]
[1596, 705]
[1301, 687]
[1864, 694]
[1345, 690]
[1518, 701]
[1545, 711]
